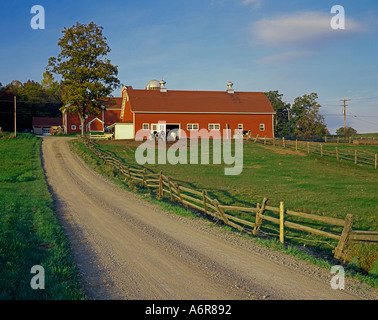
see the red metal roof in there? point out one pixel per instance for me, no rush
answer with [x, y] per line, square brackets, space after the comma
[49, 122]
[178, 101]
[112, 103]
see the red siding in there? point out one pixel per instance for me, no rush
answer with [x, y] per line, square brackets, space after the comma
[110, 116]
[127, 115]
[250, 121]
[96, 125]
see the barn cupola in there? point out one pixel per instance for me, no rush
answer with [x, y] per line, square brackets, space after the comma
[162, 86]
[229, 87]
[153, 85]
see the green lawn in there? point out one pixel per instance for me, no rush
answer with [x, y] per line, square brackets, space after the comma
[310, 184]
[30, 233]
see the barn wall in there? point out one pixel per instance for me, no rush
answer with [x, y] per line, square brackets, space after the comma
[96, 126]
[110, 116]
[250, 121]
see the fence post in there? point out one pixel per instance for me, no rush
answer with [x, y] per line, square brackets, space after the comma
[220, 211]
[204, 194]
[128, 171]
[259, 218]
[337, 153]
[344, 237]
[375, 161]
[355, 156]
[321, 150]
[170, 188]
[144, 179]
[283, 142]
[296, 144]
[308, 147]
[161, 192]
[179, 194]
[282, 222]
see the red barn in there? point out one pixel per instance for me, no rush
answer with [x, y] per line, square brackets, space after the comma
[99, 123]
[186, 110]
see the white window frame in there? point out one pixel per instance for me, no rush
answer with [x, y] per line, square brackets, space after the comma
[146, 124]
[213, 126]
[262, 126]
[190, 126]
[73, 127]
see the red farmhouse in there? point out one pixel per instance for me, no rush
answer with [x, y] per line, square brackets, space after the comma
[186, 110]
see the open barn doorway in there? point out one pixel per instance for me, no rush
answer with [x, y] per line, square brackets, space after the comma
[173, 131]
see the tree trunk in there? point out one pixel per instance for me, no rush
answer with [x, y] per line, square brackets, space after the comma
[82, 121]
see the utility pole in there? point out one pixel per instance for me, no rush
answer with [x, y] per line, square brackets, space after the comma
[15, 116]
[344, 112]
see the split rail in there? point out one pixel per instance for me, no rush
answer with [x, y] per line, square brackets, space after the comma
[324, 150]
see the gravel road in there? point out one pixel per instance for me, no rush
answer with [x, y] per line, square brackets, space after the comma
[126, 248]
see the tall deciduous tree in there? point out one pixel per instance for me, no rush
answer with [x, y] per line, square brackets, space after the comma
[350, 132]
[282, 124]
[307, 118]
[87, 75]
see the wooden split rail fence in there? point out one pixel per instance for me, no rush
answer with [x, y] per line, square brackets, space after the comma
[200, 200]
[357, 156]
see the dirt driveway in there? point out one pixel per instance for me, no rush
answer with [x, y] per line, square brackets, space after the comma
[126, 248]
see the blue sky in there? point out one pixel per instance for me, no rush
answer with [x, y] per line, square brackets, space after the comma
[259, 45]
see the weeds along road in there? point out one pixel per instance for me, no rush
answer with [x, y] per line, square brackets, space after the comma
[126, 248]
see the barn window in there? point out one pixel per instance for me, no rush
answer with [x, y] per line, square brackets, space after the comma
[240, 126]
[146, 126]
[192, 126]
[214, 126]
[73, 127]
[262, 126]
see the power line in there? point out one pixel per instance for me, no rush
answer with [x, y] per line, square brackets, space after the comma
[370, 98]
[354, 117]
[33, 102]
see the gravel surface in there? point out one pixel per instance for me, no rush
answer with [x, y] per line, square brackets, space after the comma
[127, 248]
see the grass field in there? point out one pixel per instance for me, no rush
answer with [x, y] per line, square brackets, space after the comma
[304, 183]
[30, 233]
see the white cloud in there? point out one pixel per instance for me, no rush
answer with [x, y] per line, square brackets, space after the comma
[286, 56]
[301, 28]
[255, 3]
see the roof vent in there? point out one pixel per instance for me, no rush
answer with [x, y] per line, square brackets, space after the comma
[229, 87]
[162, 86]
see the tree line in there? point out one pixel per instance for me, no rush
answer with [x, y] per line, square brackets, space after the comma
[301, 119]
[34, 99]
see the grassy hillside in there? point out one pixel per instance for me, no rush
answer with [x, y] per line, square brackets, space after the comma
[29, 231]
